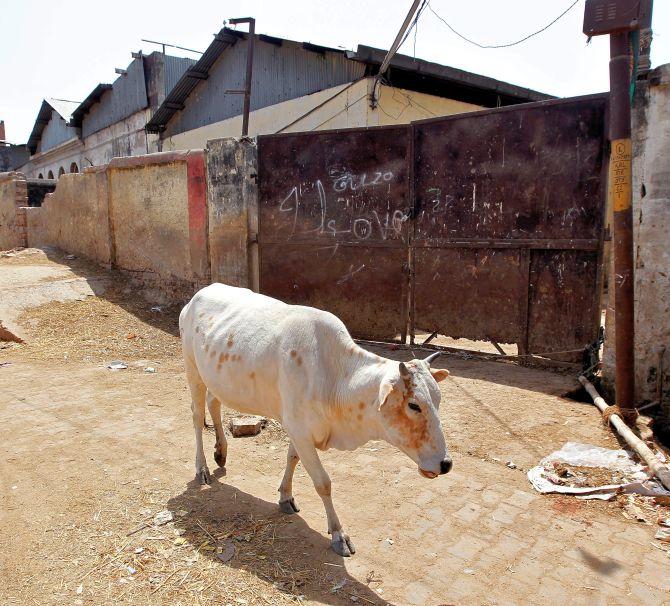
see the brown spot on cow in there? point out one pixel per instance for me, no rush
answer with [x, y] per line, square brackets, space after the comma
[413, 427]
[294, 353]
[361, 405]
[206, 347]
[252, 375]
[230, 341]
[222, 358]
[212, 353]
[298, 361]
[359, 416]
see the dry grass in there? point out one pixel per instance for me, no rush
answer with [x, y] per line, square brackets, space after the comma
[120, 326]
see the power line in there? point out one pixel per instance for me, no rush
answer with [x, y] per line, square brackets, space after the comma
[539, 31]
[413, 25]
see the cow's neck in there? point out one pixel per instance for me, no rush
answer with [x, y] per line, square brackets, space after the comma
[358, 394]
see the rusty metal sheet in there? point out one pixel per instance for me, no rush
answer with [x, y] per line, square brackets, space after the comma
[364, 286]
[471, 293]
[563, 301]
[335, 186]
[333, 229]
[523, 172]
[521, 188]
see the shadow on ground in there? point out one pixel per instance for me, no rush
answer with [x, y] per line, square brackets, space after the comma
[279, 549]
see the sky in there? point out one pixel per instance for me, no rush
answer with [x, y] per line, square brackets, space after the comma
[63, 49]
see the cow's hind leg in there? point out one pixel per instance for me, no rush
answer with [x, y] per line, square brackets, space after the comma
[286, 500]
[221, 446]
[340, 543]
[198, 391]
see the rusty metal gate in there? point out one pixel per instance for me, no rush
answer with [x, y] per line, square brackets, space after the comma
[487, 226]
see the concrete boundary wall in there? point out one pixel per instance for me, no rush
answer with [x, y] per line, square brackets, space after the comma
[13, 203]
[74, 216]
[146, 215]
[157, 218]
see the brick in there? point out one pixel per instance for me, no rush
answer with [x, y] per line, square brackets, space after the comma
[521, 499]
[656, 575]
[466, 547]
[505, 514]
[245, 426]
[648, 596]
[469, 512]
[417, 593]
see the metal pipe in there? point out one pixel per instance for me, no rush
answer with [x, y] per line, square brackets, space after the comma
[250, 62]
[620, 193]
[394, 47]
[652, 461]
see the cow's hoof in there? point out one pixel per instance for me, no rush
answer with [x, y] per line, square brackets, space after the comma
[289, 506]
[203, 476]
[342, 545]
[220, 458]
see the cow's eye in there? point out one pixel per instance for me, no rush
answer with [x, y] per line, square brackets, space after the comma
[414, 406]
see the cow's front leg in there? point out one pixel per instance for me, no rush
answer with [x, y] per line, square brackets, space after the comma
[340, 543]
[286, 500]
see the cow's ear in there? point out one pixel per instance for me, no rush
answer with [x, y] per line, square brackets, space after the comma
[385, 390]
[439, 374]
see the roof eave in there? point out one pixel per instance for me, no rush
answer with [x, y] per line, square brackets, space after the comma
[375, 56]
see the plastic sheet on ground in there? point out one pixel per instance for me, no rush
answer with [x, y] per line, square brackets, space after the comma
[546, 477]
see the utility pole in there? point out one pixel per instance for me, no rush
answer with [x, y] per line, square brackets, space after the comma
[619, 18]
[250, 62]
[394, 47]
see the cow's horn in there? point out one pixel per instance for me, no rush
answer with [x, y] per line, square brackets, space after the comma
[432, 357]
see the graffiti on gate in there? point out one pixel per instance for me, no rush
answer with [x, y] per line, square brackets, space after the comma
[348, 203]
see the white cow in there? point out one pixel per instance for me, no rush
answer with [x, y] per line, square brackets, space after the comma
[299, 365]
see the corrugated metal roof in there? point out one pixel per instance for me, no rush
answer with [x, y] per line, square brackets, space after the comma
[62, 107]
[189, 80]
[415, 74]
[85, 105]
[174, 68]
[374, 56]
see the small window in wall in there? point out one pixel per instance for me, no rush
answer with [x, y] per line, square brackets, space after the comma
[50, 175]
[40, 176]
[61, 172]
[74, 168]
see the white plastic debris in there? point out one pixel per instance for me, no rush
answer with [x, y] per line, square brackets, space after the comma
[150, 369]
[544, 478]
[511, 464]
[117, 365]
[157, 308]
[163, 517]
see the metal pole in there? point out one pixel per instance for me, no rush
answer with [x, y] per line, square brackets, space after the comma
[392, 51]
[620, 193]
[250, 62]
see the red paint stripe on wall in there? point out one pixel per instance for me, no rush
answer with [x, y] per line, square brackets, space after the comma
[197, 213]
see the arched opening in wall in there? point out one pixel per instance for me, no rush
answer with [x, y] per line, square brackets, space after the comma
[61, 172]
[50, 175]
[40, 176]
[74, 168]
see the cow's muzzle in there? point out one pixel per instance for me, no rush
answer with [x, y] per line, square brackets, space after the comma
[445, 466]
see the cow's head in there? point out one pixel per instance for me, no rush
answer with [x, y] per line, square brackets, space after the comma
[409, 401]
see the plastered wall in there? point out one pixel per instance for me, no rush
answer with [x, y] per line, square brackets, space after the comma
[651, 220]
[13, 200]
[74, 217]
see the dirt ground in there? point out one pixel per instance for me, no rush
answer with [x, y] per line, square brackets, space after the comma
[89, 456]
